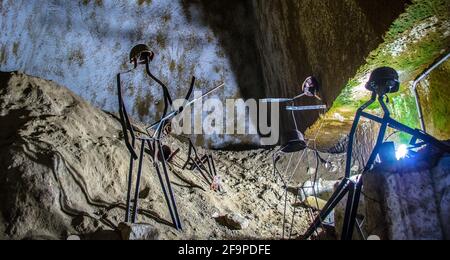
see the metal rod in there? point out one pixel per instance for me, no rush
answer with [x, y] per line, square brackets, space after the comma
[353, 202]
[173, 114]
[372, 117]
[125, 121]
[198, 163]
[213, 165]
[276, 100]
[204, 95]
[348, 211]
[420, 135]
[352, 135]
[413, 132]
[305, 108]
[359, 226]
[199, 168]
[349, 186]
[294, 119]
[138, 182]
[169, 186]
[282, 100]
[299, 96]
[167, 99]
[416, 92]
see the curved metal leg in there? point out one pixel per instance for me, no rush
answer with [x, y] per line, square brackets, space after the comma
[153, 148]
[352, 210]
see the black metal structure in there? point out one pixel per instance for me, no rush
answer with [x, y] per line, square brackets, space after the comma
[205, 164]
[416, 83]
[383, 81]
[141, 55]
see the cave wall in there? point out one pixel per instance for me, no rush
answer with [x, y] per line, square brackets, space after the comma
[82, 44]
[328, 39]
[434, 95]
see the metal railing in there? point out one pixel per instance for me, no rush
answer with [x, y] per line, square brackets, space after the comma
[416, 84]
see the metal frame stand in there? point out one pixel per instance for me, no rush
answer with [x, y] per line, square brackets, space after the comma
[155, 146]
[354, 188]
[281, 151]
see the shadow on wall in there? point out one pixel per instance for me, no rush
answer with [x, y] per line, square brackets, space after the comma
[234, 23]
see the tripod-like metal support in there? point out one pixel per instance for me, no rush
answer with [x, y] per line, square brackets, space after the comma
[153, 142]
[353, 188]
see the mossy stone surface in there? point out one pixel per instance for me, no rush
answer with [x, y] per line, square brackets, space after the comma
[415, 40]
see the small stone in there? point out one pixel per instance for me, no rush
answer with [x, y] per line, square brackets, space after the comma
[234, 221]
[138, 231]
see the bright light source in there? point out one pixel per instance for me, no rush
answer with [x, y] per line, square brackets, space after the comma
[401, 152]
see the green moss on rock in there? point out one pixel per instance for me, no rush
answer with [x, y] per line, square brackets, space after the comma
[414, 41]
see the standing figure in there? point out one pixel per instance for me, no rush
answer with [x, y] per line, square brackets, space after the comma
[141, 55]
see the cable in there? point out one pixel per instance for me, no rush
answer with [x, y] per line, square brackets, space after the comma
[392, 134]
[294, 171]
[316, 171]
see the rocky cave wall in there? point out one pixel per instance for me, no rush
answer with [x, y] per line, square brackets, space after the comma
[64, 171]
[263, 48]
[434, 94]
[259, 48]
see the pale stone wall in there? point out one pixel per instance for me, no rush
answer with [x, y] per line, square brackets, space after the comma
[412, 205]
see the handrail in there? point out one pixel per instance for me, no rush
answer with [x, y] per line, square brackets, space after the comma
[416, 83]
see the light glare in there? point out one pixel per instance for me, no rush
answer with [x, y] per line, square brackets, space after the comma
[402, 152]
